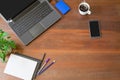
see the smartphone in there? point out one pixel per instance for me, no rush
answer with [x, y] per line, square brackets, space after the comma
[94, 28]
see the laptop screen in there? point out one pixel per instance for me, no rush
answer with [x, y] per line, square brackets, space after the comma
[11, 8]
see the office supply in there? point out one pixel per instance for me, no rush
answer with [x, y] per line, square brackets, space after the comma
[62, 6]
[22, 66]
[28, 18]
[44, 64]
[44, 69]
[43, 58]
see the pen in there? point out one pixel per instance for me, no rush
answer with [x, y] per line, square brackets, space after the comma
[43, 58]
[44, 64]
[46, 67]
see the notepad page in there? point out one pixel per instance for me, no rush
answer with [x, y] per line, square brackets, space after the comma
[20, 67]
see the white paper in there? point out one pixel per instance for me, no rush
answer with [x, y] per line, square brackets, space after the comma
[20, 67]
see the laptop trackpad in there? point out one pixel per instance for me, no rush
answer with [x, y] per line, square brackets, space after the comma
[37, 30]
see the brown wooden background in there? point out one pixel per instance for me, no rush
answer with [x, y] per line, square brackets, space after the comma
[77, 55]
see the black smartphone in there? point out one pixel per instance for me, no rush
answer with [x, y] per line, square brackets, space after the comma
[94, 28]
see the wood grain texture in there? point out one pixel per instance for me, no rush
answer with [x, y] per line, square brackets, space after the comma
[78, 57]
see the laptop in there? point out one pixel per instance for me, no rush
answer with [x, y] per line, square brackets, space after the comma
[28, 18]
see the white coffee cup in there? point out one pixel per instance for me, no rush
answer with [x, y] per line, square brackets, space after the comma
[84, 8]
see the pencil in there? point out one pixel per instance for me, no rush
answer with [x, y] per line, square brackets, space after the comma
[44, 64]
[46, 67]
[43, 58]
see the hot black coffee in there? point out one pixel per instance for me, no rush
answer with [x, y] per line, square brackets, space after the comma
[83, 8]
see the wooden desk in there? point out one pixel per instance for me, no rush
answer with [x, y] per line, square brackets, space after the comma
[78, 57]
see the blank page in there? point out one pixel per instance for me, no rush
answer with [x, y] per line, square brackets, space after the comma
[20, 67]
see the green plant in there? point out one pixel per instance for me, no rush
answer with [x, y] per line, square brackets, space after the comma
[6, 45]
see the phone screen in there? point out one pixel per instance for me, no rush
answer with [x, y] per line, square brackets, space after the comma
[94, 29]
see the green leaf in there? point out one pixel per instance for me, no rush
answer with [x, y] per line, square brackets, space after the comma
[6, 44]
[5, 48]
[12, 44]
[4, 34]
[2, 56]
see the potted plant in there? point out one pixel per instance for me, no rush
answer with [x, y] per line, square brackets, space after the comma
[6, 45]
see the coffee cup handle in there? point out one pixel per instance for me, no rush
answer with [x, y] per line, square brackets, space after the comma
[89, 12]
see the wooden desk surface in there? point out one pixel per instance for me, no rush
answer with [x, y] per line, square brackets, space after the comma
[78, 57]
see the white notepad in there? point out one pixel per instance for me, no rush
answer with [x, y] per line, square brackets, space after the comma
[21, 67]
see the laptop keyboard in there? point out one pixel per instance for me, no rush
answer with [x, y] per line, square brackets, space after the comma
[31, 18]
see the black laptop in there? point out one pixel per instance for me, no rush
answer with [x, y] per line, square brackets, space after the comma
[28, 18]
